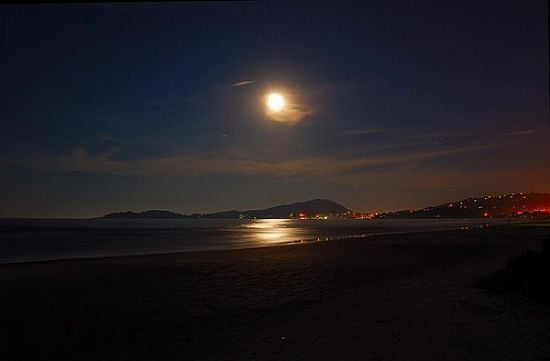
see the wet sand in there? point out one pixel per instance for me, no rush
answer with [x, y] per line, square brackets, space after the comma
[392, 297]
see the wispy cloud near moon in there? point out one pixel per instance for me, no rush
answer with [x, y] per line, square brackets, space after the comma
[243, 83]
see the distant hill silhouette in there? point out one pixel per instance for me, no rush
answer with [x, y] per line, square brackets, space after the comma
[152, 214]
[311, 207]
[315, 206]
[528, 205]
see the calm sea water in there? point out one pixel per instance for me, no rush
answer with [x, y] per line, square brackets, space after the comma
[32, 240]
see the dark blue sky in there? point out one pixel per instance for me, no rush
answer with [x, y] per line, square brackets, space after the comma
[401, 104]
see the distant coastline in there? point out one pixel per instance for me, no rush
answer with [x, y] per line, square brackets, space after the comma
[322, 208]
[515, 205]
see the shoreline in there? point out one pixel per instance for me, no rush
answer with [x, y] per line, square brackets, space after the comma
[282, 244]
[363, 236]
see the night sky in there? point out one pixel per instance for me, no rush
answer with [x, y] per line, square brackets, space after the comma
[397, 104]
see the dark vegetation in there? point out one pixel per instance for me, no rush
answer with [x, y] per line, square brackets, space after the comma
[527, 273]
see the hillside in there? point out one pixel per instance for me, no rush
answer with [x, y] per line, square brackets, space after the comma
[527, 205]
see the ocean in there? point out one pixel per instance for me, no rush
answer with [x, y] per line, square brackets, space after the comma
[25, 240]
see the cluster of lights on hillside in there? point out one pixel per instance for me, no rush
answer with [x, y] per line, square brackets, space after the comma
[344, 215]
[523, 205]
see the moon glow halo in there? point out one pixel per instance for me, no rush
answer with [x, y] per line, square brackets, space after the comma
[275, 102]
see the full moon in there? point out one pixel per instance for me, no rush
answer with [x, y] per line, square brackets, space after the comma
[275, 102]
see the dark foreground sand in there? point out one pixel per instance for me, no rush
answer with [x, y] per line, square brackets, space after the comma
[400, 297]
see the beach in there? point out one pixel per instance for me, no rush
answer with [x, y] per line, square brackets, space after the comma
[389, 297]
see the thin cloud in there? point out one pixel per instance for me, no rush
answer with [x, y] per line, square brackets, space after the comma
[243, 82]
[291, 115]
[341, 170]
[353, 132]
[522, 132]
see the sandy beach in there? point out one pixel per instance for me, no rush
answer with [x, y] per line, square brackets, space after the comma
[392, 297]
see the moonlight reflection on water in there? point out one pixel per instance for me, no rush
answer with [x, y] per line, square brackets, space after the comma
[272, 231]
